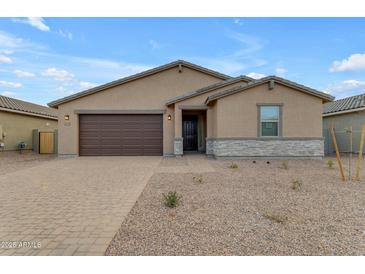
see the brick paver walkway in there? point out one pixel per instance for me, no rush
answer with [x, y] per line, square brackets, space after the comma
[70, 206]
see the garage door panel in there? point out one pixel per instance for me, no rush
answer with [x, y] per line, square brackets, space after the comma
[120, 135]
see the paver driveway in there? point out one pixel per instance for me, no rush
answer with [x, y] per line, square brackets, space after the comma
[71, 206]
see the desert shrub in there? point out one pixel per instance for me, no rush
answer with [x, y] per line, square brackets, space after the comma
[296, 184]
[330, 164]
[171, 199]
[198, 179]
[285, 165]
[278, 218]
[233, 166]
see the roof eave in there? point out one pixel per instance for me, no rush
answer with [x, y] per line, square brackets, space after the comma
[208, 89]
[343, 112]
[28, 113]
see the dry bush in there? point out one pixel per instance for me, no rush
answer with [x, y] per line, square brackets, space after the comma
[198, 179]
[278, 218]
[296, 184]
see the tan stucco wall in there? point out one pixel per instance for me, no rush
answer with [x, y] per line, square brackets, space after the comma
[146, 93]
[18, 128]
[200, 100]
[236, 115]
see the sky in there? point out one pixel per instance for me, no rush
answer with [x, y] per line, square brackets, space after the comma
[44, 59]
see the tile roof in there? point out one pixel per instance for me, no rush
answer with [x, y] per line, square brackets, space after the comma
[345, 104]
[277, 79]
[11, 104]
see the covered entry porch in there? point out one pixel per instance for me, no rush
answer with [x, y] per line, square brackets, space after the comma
[191, 129]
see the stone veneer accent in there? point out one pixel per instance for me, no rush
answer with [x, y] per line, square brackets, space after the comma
[178, 146]
[269, 148]
[209, 142]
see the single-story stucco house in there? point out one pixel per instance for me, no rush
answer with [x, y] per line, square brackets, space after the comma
[343, 114]
[18, 119]
[180, 107]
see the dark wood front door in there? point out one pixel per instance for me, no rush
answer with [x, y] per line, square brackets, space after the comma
[190, 133]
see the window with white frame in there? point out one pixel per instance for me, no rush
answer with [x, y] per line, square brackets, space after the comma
[269, 121]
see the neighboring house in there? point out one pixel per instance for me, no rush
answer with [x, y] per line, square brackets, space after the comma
[342, 115]
[19, 118]
[180, 107]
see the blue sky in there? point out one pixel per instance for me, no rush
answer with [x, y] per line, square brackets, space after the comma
[43, 59]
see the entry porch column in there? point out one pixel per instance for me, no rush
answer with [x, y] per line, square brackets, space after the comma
[178, 140]
[209, 142]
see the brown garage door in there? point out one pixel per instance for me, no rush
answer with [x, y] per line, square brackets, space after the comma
[122, 134]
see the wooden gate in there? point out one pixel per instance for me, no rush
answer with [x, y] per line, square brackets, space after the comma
[46, 142]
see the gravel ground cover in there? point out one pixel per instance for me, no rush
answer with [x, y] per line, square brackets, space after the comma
[11, 161]
[254, 209]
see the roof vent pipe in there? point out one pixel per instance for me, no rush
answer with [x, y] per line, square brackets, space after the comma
[271, 84]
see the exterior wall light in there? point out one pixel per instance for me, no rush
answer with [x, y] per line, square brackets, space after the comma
[67, 117]
[169, 117]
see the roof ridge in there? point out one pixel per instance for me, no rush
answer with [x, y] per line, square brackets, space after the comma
[350, 97]
[30, 103]
[136, 76]
[265, 79]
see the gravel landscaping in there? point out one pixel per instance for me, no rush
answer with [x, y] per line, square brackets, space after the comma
[252, 209]
[11, 161]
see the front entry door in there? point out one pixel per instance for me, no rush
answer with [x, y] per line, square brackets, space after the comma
[190, 133]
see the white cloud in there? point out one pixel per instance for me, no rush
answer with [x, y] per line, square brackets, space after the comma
[280, 72]
[111, 69]
[87, 85]
[9, 41]
[65, 34]
[256, 75]
[6, 51]
[5, 59]
[236, 62]
[36, 22]
[250, 44]
[154, 44]
[23, 74]
[10, 44]
[9, 94]
[10, 84]
[353, 63]
[346, 88]
[238, 21]
[58, 74]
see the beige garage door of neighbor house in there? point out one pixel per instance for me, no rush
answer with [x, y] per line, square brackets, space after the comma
[120, 134]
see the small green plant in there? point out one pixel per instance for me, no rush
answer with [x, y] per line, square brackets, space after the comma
[284, 165]
[330, 164]
[278, 218]
[233, 166]
[296, 184]
[198, 179]
[171, 199]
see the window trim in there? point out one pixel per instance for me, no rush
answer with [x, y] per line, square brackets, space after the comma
[280, 122]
